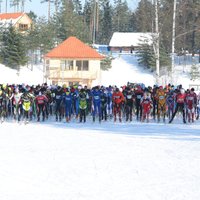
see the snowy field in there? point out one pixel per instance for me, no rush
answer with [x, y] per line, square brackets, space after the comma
[108, 161]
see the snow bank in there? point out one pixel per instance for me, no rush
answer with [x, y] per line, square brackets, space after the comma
[26, 75]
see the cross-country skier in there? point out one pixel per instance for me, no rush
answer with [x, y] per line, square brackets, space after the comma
[96, 101]
[198, 106]
[118, 99]
[41, 101]
[191, 102]
[170, 101]
[129, 100]
[75, 101]
[146, 104]
[180, 104]
[26, 99]
[138, 94]
[58, 96]
[67, 97]
[161, 102]
[17, 104]
[82, 105]
[104, 101]
[3, 104]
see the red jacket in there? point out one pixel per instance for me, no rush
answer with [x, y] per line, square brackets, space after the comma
[146, 104]
[180, 98]
[191, 100]
[41, 99]
[117, 97]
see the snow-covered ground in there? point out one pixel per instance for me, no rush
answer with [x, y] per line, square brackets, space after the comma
[92, 161]
[125, 69]
[59, 161]
[26, 75]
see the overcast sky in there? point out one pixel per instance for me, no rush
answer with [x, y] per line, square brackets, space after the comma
[41, 9]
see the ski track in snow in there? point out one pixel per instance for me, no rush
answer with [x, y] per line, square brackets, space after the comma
[107, 161]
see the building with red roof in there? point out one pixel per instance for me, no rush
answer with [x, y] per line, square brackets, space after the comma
[21, 21]
[73, 62]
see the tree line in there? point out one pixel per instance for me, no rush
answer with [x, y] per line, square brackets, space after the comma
[96, 21]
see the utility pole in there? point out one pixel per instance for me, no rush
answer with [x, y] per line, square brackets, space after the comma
[173, 42]
[157, 45]
[95, 21]
[49, 10]
[6, 7]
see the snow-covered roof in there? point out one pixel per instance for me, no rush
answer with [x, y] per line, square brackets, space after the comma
[128, 39]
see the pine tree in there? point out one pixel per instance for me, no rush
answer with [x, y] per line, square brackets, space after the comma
[70, 23]
[106, 63]
[144, 16]
[121, 16]
[87, 17]
[13, 52]
[132, 23]
[146, 57]
[105, 29]
[77, 7]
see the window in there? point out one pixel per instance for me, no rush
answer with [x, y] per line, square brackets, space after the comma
[78, 64]
[66, 65]
[23, 27]
[82, 65]
[85, 65]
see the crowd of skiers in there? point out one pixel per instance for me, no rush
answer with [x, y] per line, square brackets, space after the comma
[133, 101]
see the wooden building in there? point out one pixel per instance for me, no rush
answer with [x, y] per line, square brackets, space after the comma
[126, 42]
[21, 21]
[72, 62]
